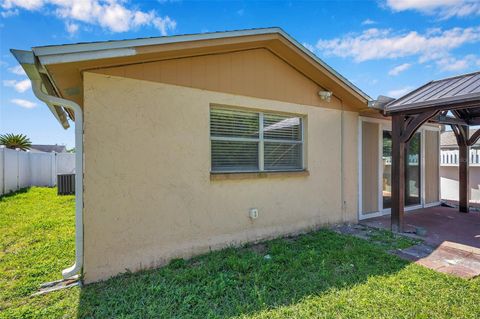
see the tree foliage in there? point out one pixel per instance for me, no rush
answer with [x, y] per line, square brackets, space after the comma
[15, 141]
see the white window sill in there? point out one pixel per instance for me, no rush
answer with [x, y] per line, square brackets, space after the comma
[218, 176]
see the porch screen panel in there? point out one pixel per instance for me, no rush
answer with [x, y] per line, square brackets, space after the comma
[370, 169]
[432, 178]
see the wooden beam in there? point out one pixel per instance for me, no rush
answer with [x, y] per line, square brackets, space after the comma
[474, 121]
[398, 173]
[447, 120]
[461, 133]
[464, 180]
[403, 129]
[414, 123]
[474, 138]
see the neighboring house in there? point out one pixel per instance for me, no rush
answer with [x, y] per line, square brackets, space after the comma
[48, 148]
[197, 142]
[449, 167]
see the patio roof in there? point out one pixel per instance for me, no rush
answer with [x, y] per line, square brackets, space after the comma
[460, 92]
[453, 101]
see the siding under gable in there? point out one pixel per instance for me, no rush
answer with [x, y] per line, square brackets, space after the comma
[255, 73]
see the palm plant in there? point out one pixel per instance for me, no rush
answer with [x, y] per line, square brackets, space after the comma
[15, 141]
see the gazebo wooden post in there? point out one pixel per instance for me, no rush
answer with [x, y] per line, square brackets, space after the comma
[464, 142]
[398, 173]
[463, 172]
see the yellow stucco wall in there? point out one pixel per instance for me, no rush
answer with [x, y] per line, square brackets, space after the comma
[148, 194]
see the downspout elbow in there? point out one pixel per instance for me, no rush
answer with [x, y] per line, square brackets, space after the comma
[41, 95]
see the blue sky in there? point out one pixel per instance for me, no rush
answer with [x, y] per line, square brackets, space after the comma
[385, 47]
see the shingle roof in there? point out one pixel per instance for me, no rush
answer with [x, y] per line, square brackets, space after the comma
[459, 89]
[48, 148]
[447, 139]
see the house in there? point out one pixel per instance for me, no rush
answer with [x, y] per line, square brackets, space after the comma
[449, 148]
[449, 159]
[193, 143]
[46, 148]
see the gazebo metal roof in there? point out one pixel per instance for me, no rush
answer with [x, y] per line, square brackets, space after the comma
[459, 92]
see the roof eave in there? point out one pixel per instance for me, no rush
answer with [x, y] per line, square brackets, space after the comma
[123, 48]
[27, 61]
[448, 102]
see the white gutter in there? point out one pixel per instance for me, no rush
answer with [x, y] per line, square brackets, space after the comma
[27, 61]
[37, 90]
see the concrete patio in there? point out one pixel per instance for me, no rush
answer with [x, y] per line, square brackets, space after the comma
[451, 240]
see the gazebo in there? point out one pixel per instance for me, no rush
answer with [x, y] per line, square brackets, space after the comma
[452, 101]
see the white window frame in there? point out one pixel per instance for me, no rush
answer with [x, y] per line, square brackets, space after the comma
[385, 124]
[260, 140]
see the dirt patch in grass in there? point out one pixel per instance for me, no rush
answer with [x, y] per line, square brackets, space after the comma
[260, 248]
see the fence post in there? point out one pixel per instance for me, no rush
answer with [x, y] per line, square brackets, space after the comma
[18, 168]
[53, 168]
[2, 155]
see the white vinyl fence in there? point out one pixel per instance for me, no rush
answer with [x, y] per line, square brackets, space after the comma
[451, 157]
[449, 184]
[19, 169]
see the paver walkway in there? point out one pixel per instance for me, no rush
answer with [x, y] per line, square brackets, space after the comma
[450, 240]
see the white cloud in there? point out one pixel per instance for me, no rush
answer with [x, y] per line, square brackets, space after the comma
[112, 15]
[24, 4]
[240, 12]
[399, 69]
[72, 28]
[383, 43]
[24, 103]
[443, 8]
[18, 70]
[19, 86]
[309, 46]
[9, 13]
[399, 92]
[449, 63]
[164, 24]
[368, 22]
[400, 5]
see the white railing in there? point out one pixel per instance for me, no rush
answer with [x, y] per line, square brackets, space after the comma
[450, 157]
[412, 160]
[19, 169]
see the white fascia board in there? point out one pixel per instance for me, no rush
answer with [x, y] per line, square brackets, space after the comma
[85, 56]
[121, 44]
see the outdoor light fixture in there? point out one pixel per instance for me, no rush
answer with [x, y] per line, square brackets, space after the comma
[325, 95]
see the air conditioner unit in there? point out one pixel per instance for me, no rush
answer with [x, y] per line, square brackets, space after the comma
[66, 184]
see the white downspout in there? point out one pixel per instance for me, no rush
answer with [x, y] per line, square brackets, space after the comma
[37, 90]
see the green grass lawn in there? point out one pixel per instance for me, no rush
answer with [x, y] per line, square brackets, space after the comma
[318, 275]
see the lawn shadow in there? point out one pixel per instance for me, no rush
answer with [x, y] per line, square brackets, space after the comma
[235, 282]
[14, 193]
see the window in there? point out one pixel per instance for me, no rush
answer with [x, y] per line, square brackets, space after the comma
[245, 141]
